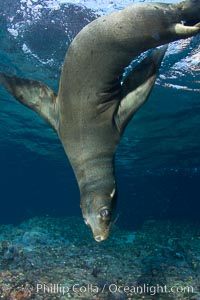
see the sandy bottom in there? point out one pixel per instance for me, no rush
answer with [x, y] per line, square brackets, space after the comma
[53, 258]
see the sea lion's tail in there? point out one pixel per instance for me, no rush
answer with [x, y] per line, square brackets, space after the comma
[35, 95]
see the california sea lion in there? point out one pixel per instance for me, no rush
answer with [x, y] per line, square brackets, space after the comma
[93, 106]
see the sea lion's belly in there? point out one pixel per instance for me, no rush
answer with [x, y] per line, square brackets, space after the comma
[89, 138]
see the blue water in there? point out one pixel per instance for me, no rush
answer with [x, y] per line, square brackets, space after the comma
[157, 162]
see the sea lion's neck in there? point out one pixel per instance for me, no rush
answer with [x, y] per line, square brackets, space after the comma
[95, 174]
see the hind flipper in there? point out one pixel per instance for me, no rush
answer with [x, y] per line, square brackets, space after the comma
[35, 95]
[137, 87]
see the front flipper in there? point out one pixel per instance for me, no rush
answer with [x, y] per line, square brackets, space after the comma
[137, 87]
[35, 95]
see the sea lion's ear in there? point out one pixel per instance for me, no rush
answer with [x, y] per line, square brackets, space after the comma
[137, 87]
[35, 95]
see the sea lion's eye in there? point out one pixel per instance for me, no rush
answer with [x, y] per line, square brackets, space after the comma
[104, 213]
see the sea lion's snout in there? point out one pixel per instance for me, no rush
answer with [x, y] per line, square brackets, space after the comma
[101, 237]
[98, 238]
[98, 209]
[100, 223]
[102, 232]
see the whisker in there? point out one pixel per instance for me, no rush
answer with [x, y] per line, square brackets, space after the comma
[113, 222]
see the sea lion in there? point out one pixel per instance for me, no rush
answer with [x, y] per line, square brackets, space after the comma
[94, 104]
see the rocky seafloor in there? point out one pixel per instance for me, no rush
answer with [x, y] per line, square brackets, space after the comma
[52, 258]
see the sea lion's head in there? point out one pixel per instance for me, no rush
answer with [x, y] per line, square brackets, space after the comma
[99, 213]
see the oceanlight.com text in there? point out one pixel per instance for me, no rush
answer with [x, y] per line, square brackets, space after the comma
[129, 290]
